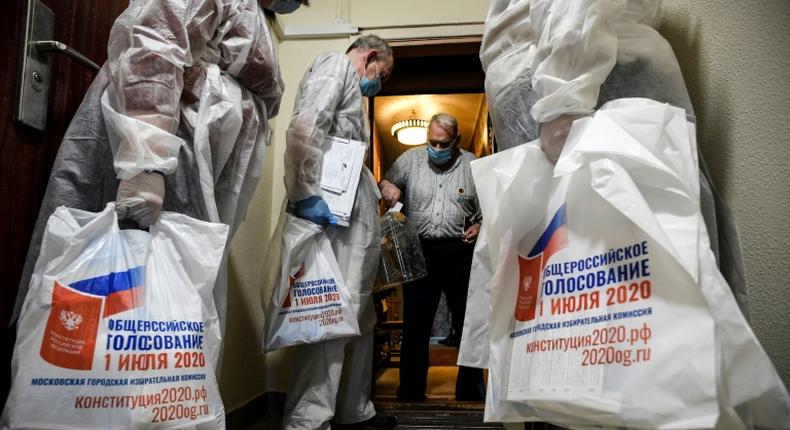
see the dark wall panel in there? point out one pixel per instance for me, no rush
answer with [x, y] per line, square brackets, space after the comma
[26, 155]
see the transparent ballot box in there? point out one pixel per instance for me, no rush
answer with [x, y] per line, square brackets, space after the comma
[401, 253]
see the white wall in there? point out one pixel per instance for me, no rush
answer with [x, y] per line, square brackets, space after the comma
[389, 13]
[735, 57]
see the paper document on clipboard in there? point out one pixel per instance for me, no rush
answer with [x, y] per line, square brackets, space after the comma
[340, 172]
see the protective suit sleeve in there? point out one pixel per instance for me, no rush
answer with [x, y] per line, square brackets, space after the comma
[320, 92]
[575, 49]
[254, 59]
[151, 44]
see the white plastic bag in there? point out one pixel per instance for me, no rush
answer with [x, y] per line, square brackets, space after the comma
[310, 302]
[119, 328]
[607, 306]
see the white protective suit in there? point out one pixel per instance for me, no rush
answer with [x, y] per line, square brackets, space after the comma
[332, 378]
[545, 58]
[187, 89]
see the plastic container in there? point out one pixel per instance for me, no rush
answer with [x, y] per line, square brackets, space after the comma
[401, 252]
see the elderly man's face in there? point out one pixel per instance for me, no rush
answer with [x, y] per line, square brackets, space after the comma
[385, 70]
[376, 66]
[439, 138]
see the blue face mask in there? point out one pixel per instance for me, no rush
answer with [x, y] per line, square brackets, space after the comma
[284, 6]
[370, 87]
[440, 156]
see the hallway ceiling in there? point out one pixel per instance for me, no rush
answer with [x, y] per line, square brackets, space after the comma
[391, 109]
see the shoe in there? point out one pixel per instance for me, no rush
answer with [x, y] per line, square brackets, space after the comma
[469, 385]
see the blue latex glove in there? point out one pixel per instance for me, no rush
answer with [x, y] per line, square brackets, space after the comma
[315, 209]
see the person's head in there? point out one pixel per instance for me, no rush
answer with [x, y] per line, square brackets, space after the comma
[282, 6]
[443, 138]
[372, 57]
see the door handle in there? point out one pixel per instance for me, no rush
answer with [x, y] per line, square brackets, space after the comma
[62, 48]
[32, 80]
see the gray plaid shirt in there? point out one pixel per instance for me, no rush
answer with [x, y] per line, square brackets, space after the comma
[438, 204]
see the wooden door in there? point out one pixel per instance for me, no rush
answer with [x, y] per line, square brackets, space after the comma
[26, 155]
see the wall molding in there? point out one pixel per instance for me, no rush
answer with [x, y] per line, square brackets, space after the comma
[440, 33]
[397, 35]
[334, 30]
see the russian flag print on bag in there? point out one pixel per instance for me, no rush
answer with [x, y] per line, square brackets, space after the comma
[70, 334]
[119, 328]
[530, 269]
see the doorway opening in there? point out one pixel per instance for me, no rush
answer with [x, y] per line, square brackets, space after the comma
[428, 79]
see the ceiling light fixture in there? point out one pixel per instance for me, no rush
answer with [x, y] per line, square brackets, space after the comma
[411, 131]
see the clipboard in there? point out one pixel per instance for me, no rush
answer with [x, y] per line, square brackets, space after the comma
[340, 172]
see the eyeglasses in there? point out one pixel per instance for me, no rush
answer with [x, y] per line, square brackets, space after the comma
[440, 143]
[383, 76]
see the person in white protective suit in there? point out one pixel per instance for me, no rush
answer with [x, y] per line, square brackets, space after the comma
[331, 380]
[176, 119]
[549, 62]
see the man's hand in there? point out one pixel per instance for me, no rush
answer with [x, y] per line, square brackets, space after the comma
[553, 135]
[315, 210]
[390, 193]
[470, 235]
[140, 198]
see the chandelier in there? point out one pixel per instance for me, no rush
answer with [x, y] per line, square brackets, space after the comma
[411, 131]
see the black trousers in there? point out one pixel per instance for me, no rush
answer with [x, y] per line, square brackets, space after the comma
[448, 262]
